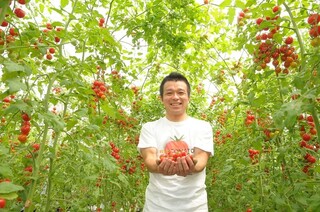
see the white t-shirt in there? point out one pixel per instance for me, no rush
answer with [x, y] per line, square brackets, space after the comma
[176, 193]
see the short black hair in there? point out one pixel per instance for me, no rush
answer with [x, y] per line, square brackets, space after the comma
[175, 76]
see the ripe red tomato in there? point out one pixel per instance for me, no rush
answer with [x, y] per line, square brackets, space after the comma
[12, 31]
[275, 9]
[28, 169]
[52, 50]
[314, 19]
[289, 40]
[25, 117]
[259, 20]
[306, 137]
[22, 1]
[4, 23]
[57, 39]
[49, 26]
[25, 129]
[310, 118]
[102, 20]
[22, 138]
[311, 159]
[2, 203]
[49, 56]
[314, 31]
[6, 99]
[36, 147]
[20, 13]
[313, 131]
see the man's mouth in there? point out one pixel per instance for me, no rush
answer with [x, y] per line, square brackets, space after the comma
[176, 104]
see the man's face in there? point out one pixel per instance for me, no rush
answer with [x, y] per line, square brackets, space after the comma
[175, 99]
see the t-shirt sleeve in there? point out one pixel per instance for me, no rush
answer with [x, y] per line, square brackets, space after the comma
[205, 138]
[147, 137]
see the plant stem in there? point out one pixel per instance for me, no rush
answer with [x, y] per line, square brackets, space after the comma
[296, 30]
[28, 205]
[316, 122]
[51, 168]
[3, 9]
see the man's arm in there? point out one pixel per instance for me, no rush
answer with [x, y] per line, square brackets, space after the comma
[202, 158]
[149, 156]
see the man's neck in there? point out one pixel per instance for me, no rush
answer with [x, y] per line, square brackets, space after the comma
[177, 118]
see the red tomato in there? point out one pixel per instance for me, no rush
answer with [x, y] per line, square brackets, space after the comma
[2, 203]
[22, 138]
[25, 117]
[25, 129]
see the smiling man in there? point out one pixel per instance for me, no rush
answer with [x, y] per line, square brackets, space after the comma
[177, 176]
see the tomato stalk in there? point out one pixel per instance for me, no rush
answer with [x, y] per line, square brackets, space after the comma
[51, 164]
[4, 5]
[35, 174]
[316, 122]
[51, 161]
[297, 32]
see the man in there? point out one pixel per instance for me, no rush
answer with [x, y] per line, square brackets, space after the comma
[176, 185]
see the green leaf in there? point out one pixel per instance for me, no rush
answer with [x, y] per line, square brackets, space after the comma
[240, 4]
[227, 168]
[317, 169]
[231, 13]
[16, 85]
[41, 8]
[64, 3]
[225, 3]
[288, 113]
[8, 187]
[54, 120]
[17, 106]
[12, 67]
[3, 151]
[10, 196]
[5, 170]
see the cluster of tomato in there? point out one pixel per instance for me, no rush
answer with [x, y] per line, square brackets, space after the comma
[220, 138]
[7, 100]
[314, 32]
[270, 53]
[307, 133]
[115, 151]
[19, 13]
[173, 155]
[100, 89]
[25, 128]
[47, 32]
[254, 155]
[101, 22]
[249, 118]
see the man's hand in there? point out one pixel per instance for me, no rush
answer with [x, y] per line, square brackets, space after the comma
[183, 166]
[167, 167]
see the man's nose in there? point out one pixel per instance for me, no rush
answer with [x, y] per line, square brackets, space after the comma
[175, 95]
